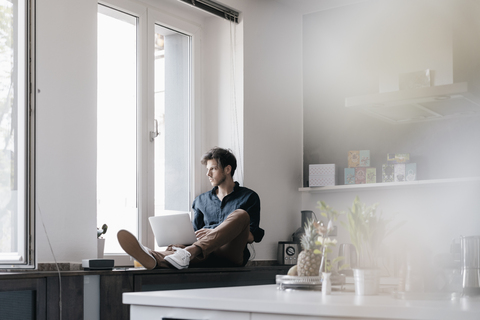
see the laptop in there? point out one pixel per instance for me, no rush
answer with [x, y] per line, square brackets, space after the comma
[173, 228]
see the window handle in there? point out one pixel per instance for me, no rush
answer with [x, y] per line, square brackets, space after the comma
[154, 134]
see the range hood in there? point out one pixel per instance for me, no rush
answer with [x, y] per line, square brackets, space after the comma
[419, 104]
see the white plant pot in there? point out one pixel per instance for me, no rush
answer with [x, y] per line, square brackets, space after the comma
[100, 247]
[367, 281]
[326, 283]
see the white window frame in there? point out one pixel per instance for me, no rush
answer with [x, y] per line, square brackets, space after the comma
[28, 259]
[148, 16]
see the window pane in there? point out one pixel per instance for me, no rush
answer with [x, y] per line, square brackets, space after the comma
[13, 133]
[116, 125]
[172, 105]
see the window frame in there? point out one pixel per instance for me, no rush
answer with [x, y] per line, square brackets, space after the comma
[29, 259]
[194, 32]
[148, 16]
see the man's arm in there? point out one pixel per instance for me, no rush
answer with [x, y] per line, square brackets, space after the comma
[253, 209]
[198, 221]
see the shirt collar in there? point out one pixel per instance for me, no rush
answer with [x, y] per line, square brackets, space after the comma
[235, 187]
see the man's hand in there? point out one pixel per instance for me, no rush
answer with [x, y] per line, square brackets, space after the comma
[202, 233]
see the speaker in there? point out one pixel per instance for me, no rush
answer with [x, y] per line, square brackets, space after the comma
[287, 252]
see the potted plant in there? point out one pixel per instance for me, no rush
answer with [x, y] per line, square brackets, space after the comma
[326, 243]
[367, 230]
[101, 241]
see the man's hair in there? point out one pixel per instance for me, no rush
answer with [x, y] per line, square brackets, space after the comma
[224, 158]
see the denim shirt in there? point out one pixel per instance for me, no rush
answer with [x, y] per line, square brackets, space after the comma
[211, 212]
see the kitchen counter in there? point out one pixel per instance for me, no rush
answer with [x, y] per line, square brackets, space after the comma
[266, 302]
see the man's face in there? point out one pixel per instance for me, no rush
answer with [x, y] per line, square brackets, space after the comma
[215, 173]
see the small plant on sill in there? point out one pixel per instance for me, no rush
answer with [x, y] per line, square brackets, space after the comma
[101, 231]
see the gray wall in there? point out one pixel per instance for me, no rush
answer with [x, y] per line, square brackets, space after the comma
[357, 50]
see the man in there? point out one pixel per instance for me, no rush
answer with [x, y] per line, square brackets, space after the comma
[225, 220]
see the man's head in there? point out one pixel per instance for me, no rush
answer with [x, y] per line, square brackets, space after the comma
[223, 158]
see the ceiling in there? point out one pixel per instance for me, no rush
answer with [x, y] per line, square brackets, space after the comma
[310, 6]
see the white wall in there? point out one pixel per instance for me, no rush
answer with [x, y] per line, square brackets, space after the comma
[66, 129]
[272, 111]
[273, 117]
[223, 90]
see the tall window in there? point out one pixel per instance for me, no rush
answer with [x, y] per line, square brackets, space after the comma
[117, 123]
[16, 137]
[144, 146]
[172, 100]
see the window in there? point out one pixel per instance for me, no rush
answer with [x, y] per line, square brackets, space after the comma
[117, 123]
[16, 136]
[172, 101]
[144, 145]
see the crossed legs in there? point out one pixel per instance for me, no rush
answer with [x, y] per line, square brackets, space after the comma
[226, 242]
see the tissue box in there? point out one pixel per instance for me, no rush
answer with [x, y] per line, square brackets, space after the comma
[399, 170]
[387, 173]
[371, 175]
[360, 175]
[353, 159]
[364, 158]
[321, 175]
[349, 175]
[410, 172]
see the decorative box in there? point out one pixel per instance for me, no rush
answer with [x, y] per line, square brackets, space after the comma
[321, 175]
[410, 172]
[399, 170]
[391, 158]
[371, 176]
[364, 158]
[402, 157]
[353, 159]
[387, 173]
[360, 175]
[349, 175]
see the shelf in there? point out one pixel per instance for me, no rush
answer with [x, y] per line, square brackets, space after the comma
[389, 185]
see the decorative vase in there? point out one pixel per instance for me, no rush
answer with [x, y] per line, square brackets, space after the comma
[367, 281]
[100, 247]
[326, 283]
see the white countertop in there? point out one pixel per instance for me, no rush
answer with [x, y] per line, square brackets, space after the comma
[267, 299]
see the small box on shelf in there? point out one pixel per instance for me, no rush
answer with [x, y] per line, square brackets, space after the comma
[360, 175]
[371, 176]
[394, 158]
[402, 157]
[387, 173]
[364, 158]
[349, 175]
[321, 175]
[399, 172]
[391, 158]
[410, 172]
[353, 159]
